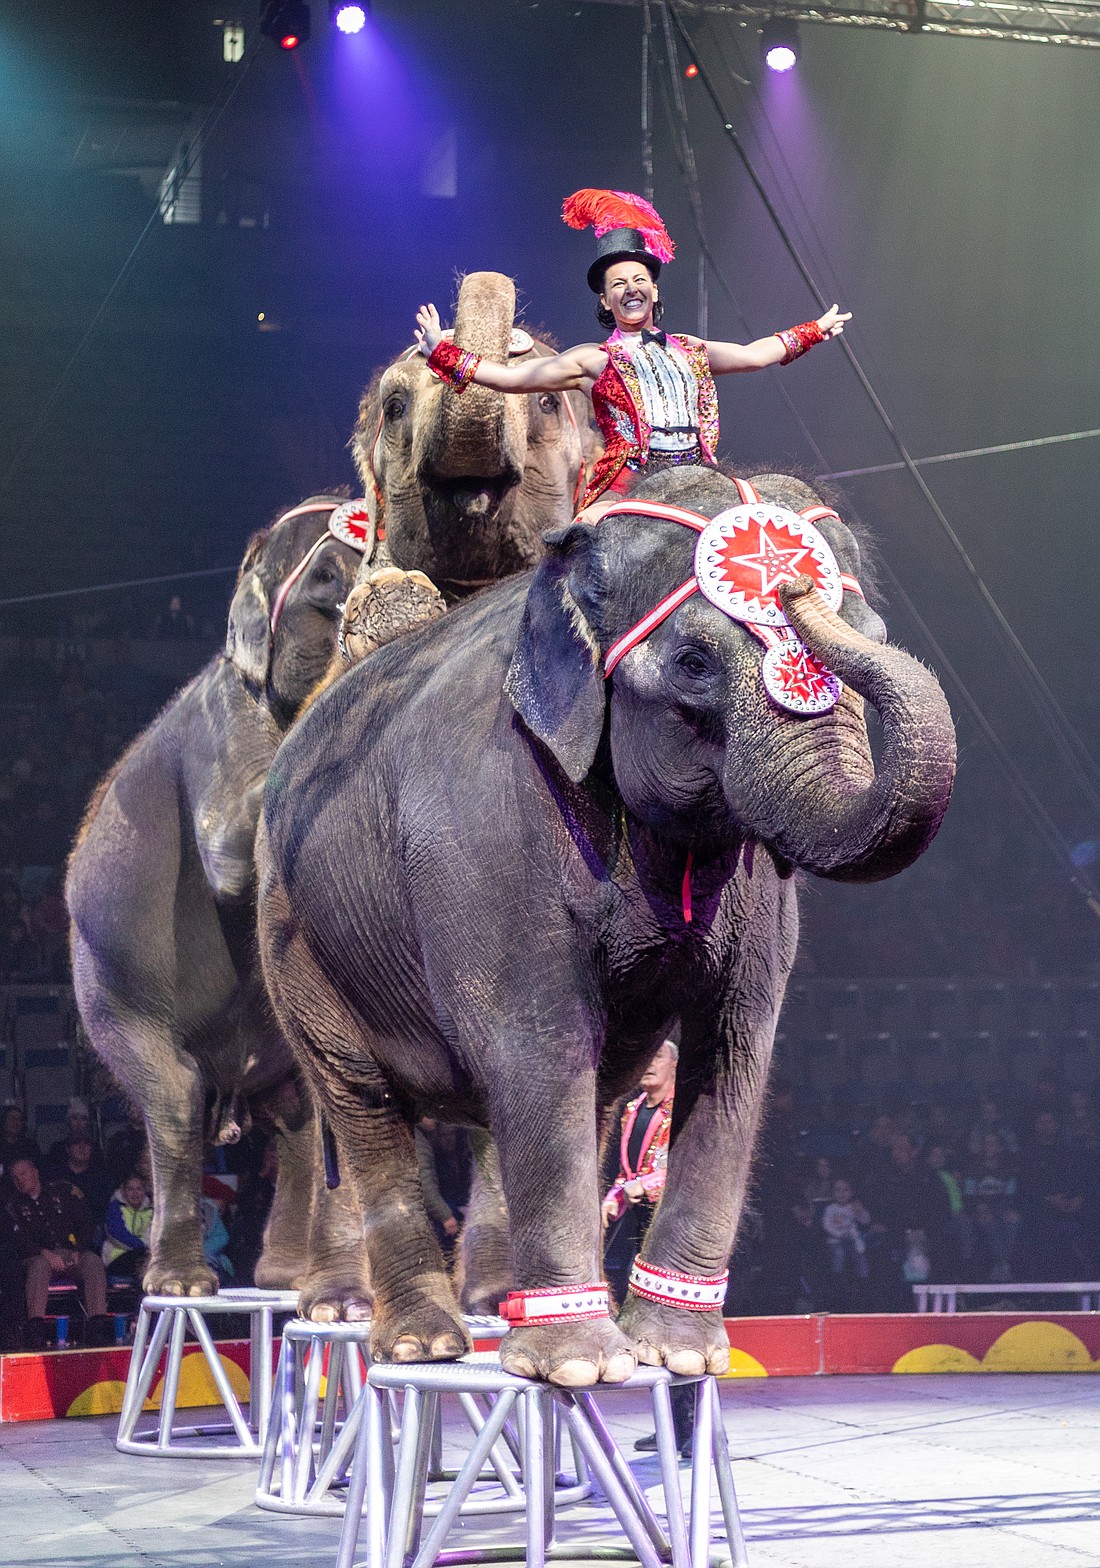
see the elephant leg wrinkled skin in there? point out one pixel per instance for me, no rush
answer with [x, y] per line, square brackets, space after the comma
[414, 1316]
[165, 1081]
[485, 1270]
[282, 1261]
[715, 1117]
[548, 1166]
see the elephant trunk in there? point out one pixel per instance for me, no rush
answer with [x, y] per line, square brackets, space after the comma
[475, 445]
[853, 822]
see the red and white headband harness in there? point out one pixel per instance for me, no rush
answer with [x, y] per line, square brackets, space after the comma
[741, 558]
[350, 524]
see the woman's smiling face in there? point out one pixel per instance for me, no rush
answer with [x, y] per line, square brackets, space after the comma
[629, 293]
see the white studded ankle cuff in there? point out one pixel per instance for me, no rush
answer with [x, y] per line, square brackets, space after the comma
[694, 1292]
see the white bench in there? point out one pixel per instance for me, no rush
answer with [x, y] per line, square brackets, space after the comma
[945, 1298]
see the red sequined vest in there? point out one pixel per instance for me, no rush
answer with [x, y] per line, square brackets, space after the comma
[617, 405]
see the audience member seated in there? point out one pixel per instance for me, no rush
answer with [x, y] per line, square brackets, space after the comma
[79, 1163]
[845, 1222]
[51, 1232]
[992, 1211]
[214, 1240]
[16, 1142]
[937, 1160]
[1082, 1123]
[1054, 1236]
[912, 1217]
[991, 1119]
[246, 1227]
[129, 1220]
[78, 1119]
[873, 1154]
[174, 623]
[127, 1148]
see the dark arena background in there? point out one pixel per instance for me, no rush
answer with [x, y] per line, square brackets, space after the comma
[209, 244]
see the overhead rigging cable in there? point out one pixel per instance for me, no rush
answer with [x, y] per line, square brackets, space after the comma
[1046, 826]
[1050, 710]
[974, 451]
[179, 174]
[134, 582]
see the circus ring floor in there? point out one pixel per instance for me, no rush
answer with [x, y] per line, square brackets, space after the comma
[989, 1469]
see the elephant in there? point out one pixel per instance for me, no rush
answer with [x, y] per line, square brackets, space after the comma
[463, 488]
[161, 897]
[491, 875]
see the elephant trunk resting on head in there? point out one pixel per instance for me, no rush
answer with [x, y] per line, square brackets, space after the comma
[161, 892]
[490, 878]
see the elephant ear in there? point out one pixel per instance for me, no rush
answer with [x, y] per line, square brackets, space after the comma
[555, 681]
[248, 638]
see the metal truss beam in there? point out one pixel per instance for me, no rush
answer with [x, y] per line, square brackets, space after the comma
[1019, 21]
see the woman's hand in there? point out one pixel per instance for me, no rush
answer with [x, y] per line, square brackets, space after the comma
[429, 330]
[831, 323]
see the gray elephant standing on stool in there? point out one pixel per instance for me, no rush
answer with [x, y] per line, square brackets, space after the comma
[161, 891]
[492, 872]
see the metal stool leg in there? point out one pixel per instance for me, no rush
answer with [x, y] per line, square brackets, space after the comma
[731, 1514]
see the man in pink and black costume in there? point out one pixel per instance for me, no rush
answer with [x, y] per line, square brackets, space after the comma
[652, 392]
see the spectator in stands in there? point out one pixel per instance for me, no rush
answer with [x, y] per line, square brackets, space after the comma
[78, 1162]
[51, 1232]
[937, 1160]
[991, 1119]
[1052, 1203]
[845, 1222]
[19, 956]
[174, 623]
[127, 1147]
[78, 1122]
[874, 1152]
[129, 1220]
[1046, 1094]
[15, 1141]
[215, 1237]
[1082, 1123]
[817, 1189]
[912, 1219]
[990, 1190]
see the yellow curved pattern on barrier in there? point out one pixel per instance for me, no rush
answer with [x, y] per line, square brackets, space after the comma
[744, 1365]
[1025, 1347]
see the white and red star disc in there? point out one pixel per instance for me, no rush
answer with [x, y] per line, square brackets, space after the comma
[351, 524]
[744, 554]
[798, 681]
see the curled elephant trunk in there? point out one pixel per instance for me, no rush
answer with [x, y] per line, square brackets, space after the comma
[477, 443]
[841, 817]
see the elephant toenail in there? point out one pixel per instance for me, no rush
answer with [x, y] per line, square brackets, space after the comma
[575, 1374]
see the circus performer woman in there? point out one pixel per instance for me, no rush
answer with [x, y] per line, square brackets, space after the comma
[652, 392]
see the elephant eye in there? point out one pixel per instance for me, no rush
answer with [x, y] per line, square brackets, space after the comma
[549, 402]
[394, 407]
[692, 663]
[324, 573]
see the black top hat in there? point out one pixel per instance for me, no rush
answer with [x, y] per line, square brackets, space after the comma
[620, 245]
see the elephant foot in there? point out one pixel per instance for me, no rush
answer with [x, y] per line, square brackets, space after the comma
[387, 605]
[684, 1342]
[419, 1328]
[573, 1355]
[336, 1296]
[179, 1277]
[280, 1272]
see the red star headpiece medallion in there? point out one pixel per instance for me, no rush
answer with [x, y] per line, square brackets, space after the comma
[746, 552]
[351, 524]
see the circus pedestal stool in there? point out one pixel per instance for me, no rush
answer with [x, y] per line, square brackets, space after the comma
[387, 1488]
[163, 1324]
[316, 1414]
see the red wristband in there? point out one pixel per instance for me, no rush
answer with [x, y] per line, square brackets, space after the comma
[458, 366]
[799, 340]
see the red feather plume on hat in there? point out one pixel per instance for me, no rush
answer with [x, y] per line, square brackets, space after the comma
[606, 210]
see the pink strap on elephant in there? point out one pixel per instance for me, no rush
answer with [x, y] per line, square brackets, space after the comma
[343, 526]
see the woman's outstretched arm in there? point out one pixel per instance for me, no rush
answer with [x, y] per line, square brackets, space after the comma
[564, 372]
[773, 350]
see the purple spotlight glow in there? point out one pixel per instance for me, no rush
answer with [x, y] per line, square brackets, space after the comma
[351, 18]
[780, 58]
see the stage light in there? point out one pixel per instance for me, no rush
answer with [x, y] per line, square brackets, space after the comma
[779, 43]
[692, 71]
[286, 23]
[349, 18]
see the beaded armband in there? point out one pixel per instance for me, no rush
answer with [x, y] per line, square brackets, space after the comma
[458, 366]
[525, 1307]
[693, 1292]
[796, 340]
